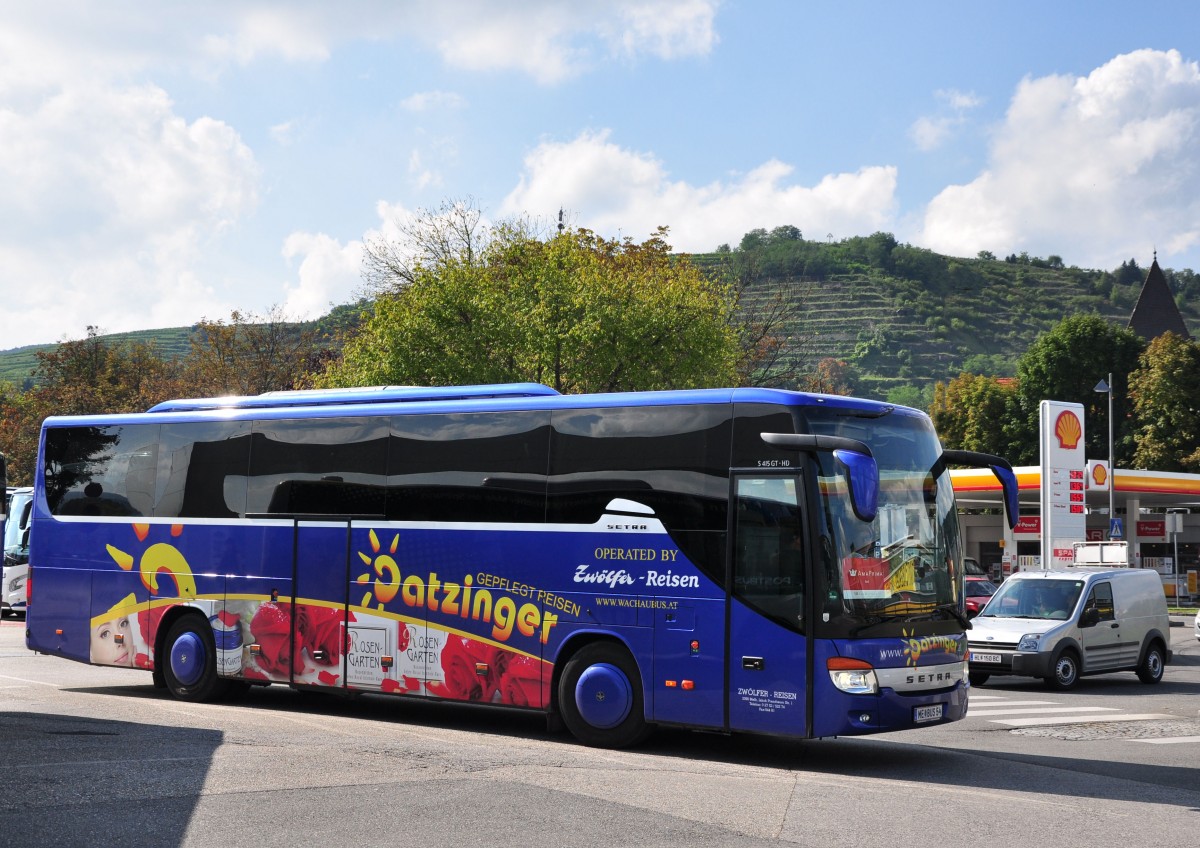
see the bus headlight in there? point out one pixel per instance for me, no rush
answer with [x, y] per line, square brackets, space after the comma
[854, 676]
[1030, 642]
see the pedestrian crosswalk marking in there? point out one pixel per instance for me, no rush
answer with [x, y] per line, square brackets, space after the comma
[1080, 719]
[1174, 740]
[1029, 710]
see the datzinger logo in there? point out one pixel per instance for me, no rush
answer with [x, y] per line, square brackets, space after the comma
[915, 647]
[465, 600]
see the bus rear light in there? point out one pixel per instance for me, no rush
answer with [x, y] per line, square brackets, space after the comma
[670, 684]
[688, 684]
[854, 676]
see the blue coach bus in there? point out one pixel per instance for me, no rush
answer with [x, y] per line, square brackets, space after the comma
[732, 560]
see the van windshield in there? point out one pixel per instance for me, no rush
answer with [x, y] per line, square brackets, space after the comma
[1052, 599]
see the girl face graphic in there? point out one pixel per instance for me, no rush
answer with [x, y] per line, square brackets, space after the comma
[112, 643]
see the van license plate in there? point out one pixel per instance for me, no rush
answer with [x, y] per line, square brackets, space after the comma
[933, 712]
[986, 658]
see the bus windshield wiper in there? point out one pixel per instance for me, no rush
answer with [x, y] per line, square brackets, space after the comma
[868, 622]
[943, 611]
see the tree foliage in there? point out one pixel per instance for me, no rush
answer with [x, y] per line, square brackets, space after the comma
[1165, 390]
[969, 413]
[1066, 364]
[81, 377]
[575, 311]
[250, 354]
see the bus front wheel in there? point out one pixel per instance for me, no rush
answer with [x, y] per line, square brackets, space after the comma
[189, 661]
[600, 697]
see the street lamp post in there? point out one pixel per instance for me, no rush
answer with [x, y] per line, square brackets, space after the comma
[1107, 388]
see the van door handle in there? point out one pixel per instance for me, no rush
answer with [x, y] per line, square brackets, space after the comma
[752, 663]
[1115, 625]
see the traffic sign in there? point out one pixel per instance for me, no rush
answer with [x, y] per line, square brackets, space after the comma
[1115, 530]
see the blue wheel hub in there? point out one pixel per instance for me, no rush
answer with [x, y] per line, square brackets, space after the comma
[188, 659]
[604, 696]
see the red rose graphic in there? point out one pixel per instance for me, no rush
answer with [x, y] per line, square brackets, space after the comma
[148, 623]
[271, 629]
[523, 684]
[321, 629]
[458, 667]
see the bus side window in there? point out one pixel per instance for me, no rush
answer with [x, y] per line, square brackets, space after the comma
[318, 466]
[202, 470]
[101, 470]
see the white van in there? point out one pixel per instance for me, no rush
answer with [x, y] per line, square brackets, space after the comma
[1059, 625]
[16, 552]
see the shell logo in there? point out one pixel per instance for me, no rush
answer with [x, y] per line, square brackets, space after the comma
[1068, 430]
[1100, 475]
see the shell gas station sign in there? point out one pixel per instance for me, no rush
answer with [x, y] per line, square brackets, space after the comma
[1064, 481]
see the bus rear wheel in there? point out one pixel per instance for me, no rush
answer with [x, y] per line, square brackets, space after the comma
[189, 661]
[600, 697]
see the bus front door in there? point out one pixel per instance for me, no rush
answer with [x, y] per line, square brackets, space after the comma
[768, 650]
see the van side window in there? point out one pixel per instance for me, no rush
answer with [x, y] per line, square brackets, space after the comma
[1101, 599]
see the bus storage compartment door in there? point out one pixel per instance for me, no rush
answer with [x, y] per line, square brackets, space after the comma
[689, 662]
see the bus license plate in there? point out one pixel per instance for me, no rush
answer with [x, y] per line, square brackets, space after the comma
[932, 712]
[986, 658]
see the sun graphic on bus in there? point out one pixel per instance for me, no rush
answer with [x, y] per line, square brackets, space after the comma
[384, 566]
[158, 559]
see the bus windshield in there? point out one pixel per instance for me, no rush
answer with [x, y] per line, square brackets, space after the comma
[904, 564]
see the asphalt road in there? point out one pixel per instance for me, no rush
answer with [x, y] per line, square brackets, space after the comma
[97, 756]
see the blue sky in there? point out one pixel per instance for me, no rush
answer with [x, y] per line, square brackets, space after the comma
[165, 162]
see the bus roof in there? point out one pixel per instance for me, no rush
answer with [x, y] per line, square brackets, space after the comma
[382, 400]
[341, 397]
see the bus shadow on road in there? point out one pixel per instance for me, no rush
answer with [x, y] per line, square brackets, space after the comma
[870, 758]
[70, 780]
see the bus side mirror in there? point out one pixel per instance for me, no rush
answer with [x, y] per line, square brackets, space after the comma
[999, 467]
[862, 472]
[862, 475]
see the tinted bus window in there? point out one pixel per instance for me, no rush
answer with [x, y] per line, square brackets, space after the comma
[327, 466]
[673, 459]
[479, 467]
[202, 470]
[101, 470]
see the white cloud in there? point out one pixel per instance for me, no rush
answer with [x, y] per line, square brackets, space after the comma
[1103, 163]
[616, 191]
[328, 274]
[425, 101]
[110, 201]
[548, 40]
[931, 132]
[283, 134]
[553, 41]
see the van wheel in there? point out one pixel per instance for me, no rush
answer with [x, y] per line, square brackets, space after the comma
[978, 678]
[190, 661]
[1065, 673]
[600, 697]
[1152, 667]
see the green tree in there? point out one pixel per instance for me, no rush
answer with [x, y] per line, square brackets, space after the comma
[968, 413]
[249, 354]
[1165, 390]
[575, 311]
[1065, 364]
[81, 377]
